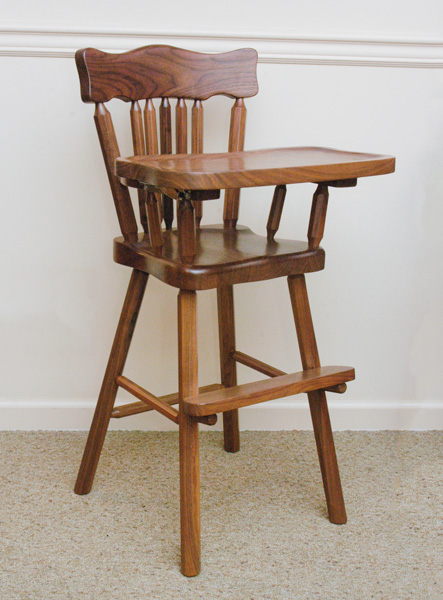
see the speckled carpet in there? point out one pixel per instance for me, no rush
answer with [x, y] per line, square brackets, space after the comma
[264, 528]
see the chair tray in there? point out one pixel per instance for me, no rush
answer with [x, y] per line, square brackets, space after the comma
[224, 256]
[253, 168]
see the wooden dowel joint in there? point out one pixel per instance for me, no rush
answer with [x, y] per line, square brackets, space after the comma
[337, 389]
[207, 420]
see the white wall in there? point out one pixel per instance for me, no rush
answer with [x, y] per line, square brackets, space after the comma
[369, 79]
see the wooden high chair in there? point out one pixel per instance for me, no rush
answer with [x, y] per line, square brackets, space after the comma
[195, 257]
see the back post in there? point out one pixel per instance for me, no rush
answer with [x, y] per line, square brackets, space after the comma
[166, 148]
[138, 143]
[197, 148]
[236, 143]
[120, 193]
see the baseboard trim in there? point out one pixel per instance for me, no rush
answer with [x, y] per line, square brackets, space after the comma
[278, 48]
[273, 416]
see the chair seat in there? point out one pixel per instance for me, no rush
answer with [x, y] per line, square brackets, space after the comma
[223, 256]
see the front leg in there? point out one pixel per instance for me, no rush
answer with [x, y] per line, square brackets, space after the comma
[188, 435]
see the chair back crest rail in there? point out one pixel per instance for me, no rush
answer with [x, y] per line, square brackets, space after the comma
[164, 72]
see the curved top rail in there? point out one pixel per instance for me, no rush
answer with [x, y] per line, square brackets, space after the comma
[160, 71]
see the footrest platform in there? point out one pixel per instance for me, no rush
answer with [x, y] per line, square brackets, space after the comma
[269, 389]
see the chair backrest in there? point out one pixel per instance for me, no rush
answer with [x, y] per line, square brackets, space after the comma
[164, 72]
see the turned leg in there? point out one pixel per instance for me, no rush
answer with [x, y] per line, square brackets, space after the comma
[226, 328]
[108, 392]
[188, 435]
[317, 401]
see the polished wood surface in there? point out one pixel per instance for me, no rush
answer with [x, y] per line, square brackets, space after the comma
[148, 398]
[166, 148]
[186, 230]
[337, 389]
[165, 127]
[165, 72]
[267, 389]
[228, 368]
[108, 392]
[151, 144]
[318, 216]
[110, 151]
[197, 148]
[137, 128]
[188, 435]
[236, 143]
[262, 367]
[193, 257]
[222, 256]
[155, 232]
[138, 143]
[257, 365]
[135, 408]
[252, 168]
[151, 137]
[317, 401]
[275, 213]
[181, 127]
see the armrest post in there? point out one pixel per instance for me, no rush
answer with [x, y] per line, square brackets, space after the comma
[276, 210]
[186, 227]
[318, 216]
[154, 220]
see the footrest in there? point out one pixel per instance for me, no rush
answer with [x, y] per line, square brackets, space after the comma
[268, 389]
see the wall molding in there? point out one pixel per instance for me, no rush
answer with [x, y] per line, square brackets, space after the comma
[290, 415]
[278, 48]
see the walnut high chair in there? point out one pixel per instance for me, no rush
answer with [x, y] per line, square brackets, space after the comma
[192, 257]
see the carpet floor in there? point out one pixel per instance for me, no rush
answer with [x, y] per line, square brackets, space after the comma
[265, 533]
